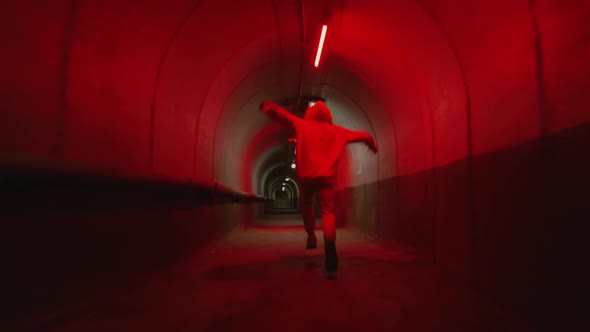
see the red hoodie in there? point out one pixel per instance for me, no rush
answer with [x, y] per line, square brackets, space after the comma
[319, 142]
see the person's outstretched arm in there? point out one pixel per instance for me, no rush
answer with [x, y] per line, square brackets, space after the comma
[362, 136]
[279, 112]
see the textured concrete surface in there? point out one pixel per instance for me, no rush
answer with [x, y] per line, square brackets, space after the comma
[283, 220]
[514, 222]
[262, 279]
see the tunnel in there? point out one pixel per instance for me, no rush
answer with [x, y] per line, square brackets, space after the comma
[143, 189]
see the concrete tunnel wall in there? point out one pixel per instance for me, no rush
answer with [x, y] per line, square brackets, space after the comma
[480, 111]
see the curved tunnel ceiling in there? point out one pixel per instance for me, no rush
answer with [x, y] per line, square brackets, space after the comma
[170, 89]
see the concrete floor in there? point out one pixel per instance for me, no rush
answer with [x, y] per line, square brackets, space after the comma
[262, 279]
[286, 220]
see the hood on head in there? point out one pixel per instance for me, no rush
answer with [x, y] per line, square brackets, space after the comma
[319, 112]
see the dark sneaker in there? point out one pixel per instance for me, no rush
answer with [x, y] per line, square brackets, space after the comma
[311, 242]
[331, 257]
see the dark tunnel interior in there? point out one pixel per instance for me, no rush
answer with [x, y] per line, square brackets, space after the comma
[143, 189]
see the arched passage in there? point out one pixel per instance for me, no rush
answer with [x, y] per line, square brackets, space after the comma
[125, 116]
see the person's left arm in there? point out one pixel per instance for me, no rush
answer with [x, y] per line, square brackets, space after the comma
[361, 136]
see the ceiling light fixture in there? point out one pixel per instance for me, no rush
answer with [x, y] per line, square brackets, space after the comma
[321, 45]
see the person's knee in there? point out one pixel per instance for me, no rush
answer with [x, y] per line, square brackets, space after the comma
[327, 211]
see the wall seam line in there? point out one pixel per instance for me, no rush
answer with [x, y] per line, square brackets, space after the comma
[59, 149]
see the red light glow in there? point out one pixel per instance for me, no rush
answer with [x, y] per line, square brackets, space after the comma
[321, 45]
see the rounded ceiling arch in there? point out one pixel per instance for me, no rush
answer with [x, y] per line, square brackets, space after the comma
[266, 50]
[188, 72]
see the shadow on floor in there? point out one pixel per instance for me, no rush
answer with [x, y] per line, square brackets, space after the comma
[263, 280]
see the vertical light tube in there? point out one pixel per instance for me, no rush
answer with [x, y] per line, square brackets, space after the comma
[321, 45]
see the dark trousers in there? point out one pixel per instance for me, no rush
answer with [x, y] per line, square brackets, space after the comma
[325, 193]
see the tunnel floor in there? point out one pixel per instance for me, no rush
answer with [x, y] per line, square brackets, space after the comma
[262, 279]
[283, 220]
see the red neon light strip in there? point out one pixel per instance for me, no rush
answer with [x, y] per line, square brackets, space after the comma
[321, 45]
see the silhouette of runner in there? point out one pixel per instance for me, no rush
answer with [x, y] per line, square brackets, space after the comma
[319, 146]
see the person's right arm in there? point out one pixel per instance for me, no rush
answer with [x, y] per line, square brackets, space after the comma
[280, 113]
[363, 137]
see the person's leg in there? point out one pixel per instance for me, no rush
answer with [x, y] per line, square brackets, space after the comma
[326, 195]
[308, 214]
[329, 227]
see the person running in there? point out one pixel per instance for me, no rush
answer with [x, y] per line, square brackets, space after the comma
[319, 146]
